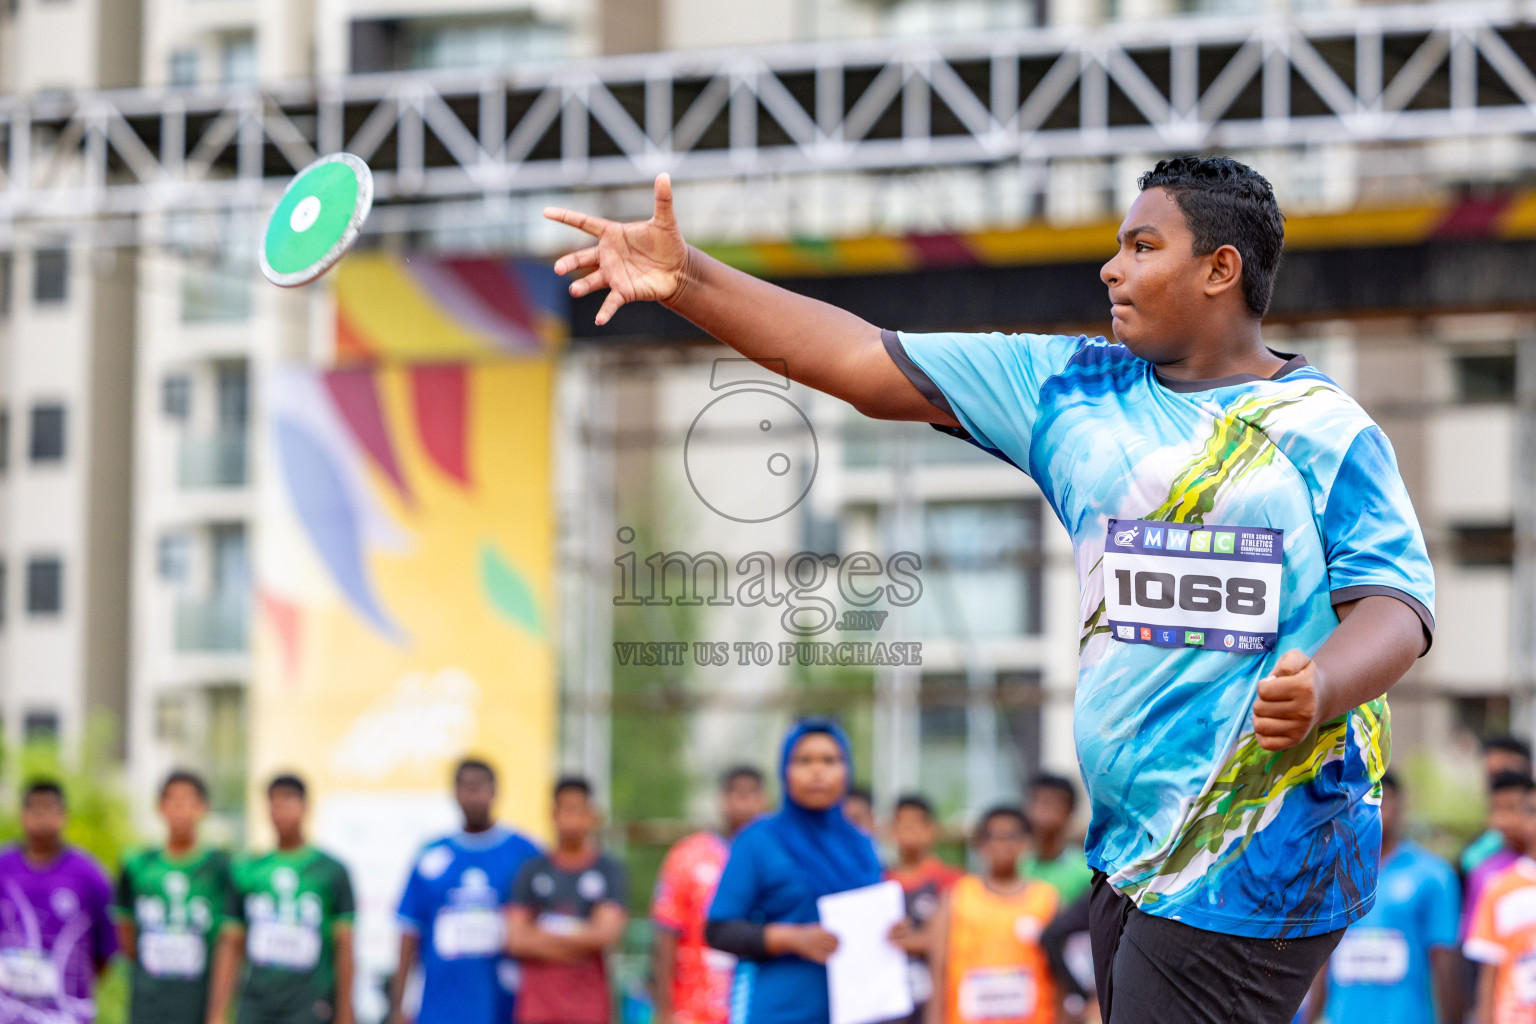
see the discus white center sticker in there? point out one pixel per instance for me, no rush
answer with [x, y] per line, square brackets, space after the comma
[1183, 585]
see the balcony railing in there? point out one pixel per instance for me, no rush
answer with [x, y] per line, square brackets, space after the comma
[217, 460]
[212, 624]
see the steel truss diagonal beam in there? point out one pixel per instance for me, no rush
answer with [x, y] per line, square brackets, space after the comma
[1392, 74]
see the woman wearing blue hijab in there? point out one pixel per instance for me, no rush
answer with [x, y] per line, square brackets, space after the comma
[765, 907]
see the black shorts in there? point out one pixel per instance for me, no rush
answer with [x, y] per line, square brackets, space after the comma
[1152, 970]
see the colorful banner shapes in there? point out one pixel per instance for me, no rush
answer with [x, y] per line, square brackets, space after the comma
[394, 308]
[405, 547]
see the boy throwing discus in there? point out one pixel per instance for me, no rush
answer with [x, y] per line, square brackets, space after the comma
[1253, 577]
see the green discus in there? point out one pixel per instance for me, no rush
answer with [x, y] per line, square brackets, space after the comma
[317, 220]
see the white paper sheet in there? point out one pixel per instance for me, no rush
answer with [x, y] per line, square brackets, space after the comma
[867, 976]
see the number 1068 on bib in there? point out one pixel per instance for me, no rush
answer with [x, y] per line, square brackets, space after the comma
[1216, 588]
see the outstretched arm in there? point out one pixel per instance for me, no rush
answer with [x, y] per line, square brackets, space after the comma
[822, 347]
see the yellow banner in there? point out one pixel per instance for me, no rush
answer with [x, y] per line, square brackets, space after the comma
[404, 567]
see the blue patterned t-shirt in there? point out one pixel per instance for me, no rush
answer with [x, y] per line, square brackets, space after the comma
[1237, 513]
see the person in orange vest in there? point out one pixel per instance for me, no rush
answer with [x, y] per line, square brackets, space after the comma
[986, 949]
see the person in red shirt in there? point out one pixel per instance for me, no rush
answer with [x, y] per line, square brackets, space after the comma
[567, 913]
[924, 879]
[693, 981]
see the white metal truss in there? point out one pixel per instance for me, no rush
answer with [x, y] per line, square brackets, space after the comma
[1391, 74]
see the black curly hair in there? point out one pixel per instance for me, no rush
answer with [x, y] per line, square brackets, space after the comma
[1227, 203]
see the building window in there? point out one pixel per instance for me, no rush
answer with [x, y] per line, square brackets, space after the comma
[1485, 378]
[237, 59]
[50, 275]
[47, 444]
[171, 718]
[173, 556]
[45, 586]
[5, 440]
[215, 288]
[977, 744]
[183, 68]
[471, 42]
[233, 384]
[40, 727]
[981, 569]
[5, 283]
[3, 602]
[1482, 716]
[1018, 699]
[1483, 546]
[176, 396]
[940, 17]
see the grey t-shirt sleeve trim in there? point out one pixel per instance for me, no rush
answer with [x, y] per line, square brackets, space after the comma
[1426, 618]
[915, 374]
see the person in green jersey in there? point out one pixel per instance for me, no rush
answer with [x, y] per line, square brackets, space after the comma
[289, 924]
[1055, 856]
[168, 906]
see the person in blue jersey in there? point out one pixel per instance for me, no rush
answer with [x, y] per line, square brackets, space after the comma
[1399, 964]
[1253, 577]
[764, 911]
[451, 913]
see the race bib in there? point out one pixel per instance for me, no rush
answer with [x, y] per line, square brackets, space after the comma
[997, 993]
[28, 974]
[561, 924]
[283, 944]
[1371, 956]
[471, 932]
[1178, 585]
[1522, 977]
[719, 960]
[173, 954]
[920, 981]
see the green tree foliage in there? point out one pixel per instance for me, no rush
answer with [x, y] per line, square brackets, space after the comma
[650, 731]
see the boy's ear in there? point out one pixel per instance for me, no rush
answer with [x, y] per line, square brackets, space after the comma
[1225, 270]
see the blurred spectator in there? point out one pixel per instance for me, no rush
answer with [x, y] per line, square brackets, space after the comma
[693, 981]
[567, 912]
[924, 879]
[1054, 856]
[451, 913]
[859, 806]
[289, 914]
[56, 934]
[986, 947]
[1399, 964]
[1507, 793]
[169, 902]
[1501, 755]
[1050, 801]
[765, 909]
[1506, 754]
[1503, 938]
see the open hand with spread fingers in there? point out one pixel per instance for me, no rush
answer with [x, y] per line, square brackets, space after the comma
[637, 261]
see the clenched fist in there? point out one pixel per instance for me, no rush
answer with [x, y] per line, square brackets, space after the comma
[1288, 703]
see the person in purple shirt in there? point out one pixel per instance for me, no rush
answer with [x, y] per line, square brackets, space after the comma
[56, 932]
